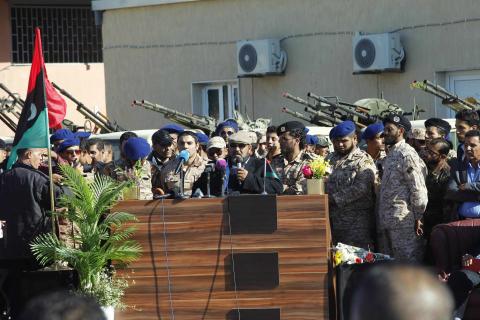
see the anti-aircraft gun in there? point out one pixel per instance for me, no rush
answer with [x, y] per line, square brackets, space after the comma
[10, 108]
[204, 123]
[449, 99]
[319, 116]
[100, 120]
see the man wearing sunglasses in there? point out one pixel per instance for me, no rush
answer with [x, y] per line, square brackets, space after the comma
[226, 129]
[68, 153]
[247, 172]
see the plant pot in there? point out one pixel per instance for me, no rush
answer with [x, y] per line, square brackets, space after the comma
[315, 186]
[109, 312]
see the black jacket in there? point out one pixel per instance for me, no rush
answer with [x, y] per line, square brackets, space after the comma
[24, 202]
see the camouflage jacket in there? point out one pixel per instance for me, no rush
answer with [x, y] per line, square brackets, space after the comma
[291, 172]
[350, 187]
[170, 182]
[143, 186]
[403, 193]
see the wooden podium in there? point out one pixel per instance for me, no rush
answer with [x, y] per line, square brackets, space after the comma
[199, 262]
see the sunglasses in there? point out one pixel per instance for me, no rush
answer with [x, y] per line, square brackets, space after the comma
[213, 151]
[235, 145]
[227, 133]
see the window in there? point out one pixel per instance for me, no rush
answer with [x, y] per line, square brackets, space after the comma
[217, 100]
[69, 34]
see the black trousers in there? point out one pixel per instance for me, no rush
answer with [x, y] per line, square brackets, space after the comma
[461, 284]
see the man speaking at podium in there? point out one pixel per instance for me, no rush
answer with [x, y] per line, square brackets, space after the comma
[247, 174]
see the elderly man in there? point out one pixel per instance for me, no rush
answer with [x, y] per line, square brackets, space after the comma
[170, 181]
[350, 189]
[403, 194]
[292, 136]
[247, 173]
[25, 205]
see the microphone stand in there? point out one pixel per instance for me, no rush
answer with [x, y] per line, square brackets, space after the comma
[208, 170]
[181, 195]
[264, 176]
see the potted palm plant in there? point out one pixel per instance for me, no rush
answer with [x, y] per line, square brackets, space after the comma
[102, 236]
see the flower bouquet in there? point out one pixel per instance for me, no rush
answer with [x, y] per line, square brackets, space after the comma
[345, 254]
[314, 172]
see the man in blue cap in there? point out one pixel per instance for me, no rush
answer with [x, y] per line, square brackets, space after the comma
[311, 143]
[350, 189]
[138, 168]
[403, 195]
[174, 130]
[226, 129]
[373, 136]
[58, 136]
[68, 153]
[202, 141]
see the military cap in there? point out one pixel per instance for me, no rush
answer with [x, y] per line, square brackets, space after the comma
[417, 134]
[3, 145]
[289, 126]
[242, 136]
[439, 123]
[202, 138]
[67, 143]
[311, 139]
[227, 123]
[172, 128]
[61, 134]
[398, 120]
[323, 142]
[136, 148]
[342, 130]
[162, 138]
[372, 130]
[82, 134]
[216, 142]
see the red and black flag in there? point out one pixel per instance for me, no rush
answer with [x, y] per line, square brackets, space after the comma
[32, 129]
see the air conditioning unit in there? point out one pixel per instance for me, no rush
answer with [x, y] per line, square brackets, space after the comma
[375, 53]
[260, 57]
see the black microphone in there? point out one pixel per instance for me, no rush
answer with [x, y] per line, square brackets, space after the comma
[183, 156]
[238, 160]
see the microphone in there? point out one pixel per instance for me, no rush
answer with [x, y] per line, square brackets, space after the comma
[183, 156]
[221, 165]
[238, 161]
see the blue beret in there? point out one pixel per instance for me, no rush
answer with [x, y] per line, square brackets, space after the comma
[61, 134]
[202, 138]
[311, 139]
[136, 148]
[82, 134]
[342, 130]
[172, 128]
[227, 123]
[372, 130]
[67, 143]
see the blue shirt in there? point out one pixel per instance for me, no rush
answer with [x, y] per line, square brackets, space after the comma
[471, 209]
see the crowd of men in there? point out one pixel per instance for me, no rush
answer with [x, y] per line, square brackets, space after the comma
[386, 195]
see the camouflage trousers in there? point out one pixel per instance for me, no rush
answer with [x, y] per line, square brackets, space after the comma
[358, 237]
[402, 244]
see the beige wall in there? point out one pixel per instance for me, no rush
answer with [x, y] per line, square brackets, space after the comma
[322, 64]
[84, 82]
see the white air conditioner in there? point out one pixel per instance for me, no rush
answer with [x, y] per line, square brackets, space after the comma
[374, 53]
[260, 57]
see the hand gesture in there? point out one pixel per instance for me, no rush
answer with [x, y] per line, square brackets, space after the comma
[242, 174]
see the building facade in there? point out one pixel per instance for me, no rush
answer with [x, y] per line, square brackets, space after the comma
[182, 54]
[72, 51]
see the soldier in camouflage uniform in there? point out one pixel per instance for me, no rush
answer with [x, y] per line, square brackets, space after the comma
[163, 151]
[292, 136]
[350, 189]
[137, 168]
[403, 195]
[169, 181]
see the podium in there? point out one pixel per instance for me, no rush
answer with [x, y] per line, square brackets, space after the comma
[203, 259]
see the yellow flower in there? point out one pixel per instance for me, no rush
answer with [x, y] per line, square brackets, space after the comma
[337, 258]
[320, 168]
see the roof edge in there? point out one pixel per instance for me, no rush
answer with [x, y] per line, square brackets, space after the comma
[99, 5]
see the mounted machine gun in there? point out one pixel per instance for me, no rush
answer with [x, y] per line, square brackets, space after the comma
[101, 121]
[315, 110]
[449, 99]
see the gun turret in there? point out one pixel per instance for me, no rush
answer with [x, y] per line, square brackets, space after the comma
[205, 123]
[449, 99]
[100, 121]
[313, 109]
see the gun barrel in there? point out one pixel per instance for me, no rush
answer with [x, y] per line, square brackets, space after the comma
[189, 120]
[8, 122]
[16, 99]
[298, 100]
[304, 117]
[344, 108]
[87, 113]
[448, 99]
